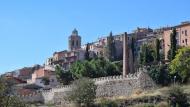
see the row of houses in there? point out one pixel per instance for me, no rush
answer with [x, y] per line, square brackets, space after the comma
[76, 51]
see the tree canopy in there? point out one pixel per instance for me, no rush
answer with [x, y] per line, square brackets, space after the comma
[157, 50]
[159, 73]
[63, 76]
[180, 64]
[110, 52]
[173, 44]
[7, 97]
[87, 53]
[95, 68]
[83, 91]
[147, 54]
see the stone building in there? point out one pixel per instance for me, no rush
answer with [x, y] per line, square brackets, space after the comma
[66, 58]
[74, 41]
[38, 75]
[183, 36]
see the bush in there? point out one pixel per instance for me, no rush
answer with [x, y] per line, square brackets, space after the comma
[95, 68]
[108, 103]
[177, 97]
[144, 105]
[83, 92]
[162, 104]
[159, 73]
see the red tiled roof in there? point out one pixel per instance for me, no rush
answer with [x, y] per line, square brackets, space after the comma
[24, 91]
[15, 80]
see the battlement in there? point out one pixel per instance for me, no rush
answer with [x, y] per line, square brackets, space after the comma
[119, 77]
[106, 87]
[96, 80]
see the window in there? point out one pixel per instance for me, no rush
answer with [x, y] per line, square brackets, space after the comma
[183, 41]
[77, 43]
[52, 80]
[186, 41]
[177, 35]
[185, 32]
[73, 42]
[182, 32]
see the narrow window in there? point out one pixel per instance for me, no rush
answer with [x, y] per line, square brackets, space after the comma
[73, 42]
[186, 41]
[77, 43]
[185, 32]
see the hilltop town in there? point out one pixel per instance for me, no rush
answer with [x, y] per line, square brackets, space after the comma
[129, 56]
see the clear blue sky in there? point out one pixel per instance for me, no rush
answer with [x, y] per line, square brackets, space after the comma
[31, 30]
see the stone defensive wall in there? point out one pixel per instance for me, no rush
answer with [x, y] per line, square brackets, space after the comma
[113, 86]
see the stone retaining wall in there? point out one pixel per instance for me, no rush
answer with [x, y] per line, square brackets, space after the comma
[106, 87]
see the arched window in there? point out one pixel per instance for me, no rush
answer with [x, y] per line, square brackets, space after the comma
[77, 43]
[73, 42]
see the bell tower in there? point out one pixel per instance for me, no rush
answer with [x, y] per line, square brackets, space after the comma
[74, 41]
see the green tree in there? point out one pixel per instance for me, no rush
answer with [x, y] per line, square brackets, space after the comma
[45, 80]
[173, 45]
[177, 97]
[108, 103]
[83, 92]
[110, 48]
[157, 50]
[87, 57]
[180, 65]
[133, 47]
[147, 55]
[95, 68]
[159, 73]
[64, 77]
[7, 97]
[82, 69]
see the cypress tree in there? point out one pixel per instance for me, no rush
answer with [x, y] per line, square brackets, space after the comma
[110, 49]
[133, 47]
[157, 50]
[87, 54]
[173, 42]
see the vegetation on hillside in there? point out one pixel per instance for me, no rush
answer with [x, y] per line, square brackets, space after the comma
[63, 76]
[147, 55]
[180, 66]
[95, 68]
[173, 44]
[110, 50]
[7, 97]
[160, 74]
[83, 92]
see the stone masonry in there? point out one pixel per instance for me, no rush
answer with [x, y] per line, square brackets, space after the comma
[114, 86]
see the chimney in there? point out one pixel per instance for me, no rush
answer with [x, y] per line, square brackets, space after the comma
[125, 54]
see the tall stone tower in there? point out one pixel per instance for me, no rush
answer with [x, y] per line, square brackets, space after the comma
[125, 55]
[74, 41]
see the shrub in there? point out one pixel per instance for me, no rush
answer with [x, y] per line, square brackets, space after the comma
[177, 97]
[162, 104]
[144, 105]
[83, 92]
[108, 103]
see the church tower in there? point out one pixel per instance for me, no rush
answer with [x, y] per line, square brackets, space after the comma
[74, 41]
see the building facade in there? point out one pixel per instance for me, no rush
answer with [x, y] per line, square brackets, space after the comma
[66, 58]
[38, 75]
[182, 37]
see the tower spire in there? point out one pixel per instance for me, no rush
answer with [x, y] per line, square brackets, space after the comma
[75, 32]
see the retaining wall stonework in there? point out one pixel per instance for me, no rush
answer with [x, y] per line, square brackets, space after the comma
[106, 87]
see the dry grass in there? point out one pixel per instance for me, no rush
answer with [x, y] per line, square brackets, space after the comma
[158, 91]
